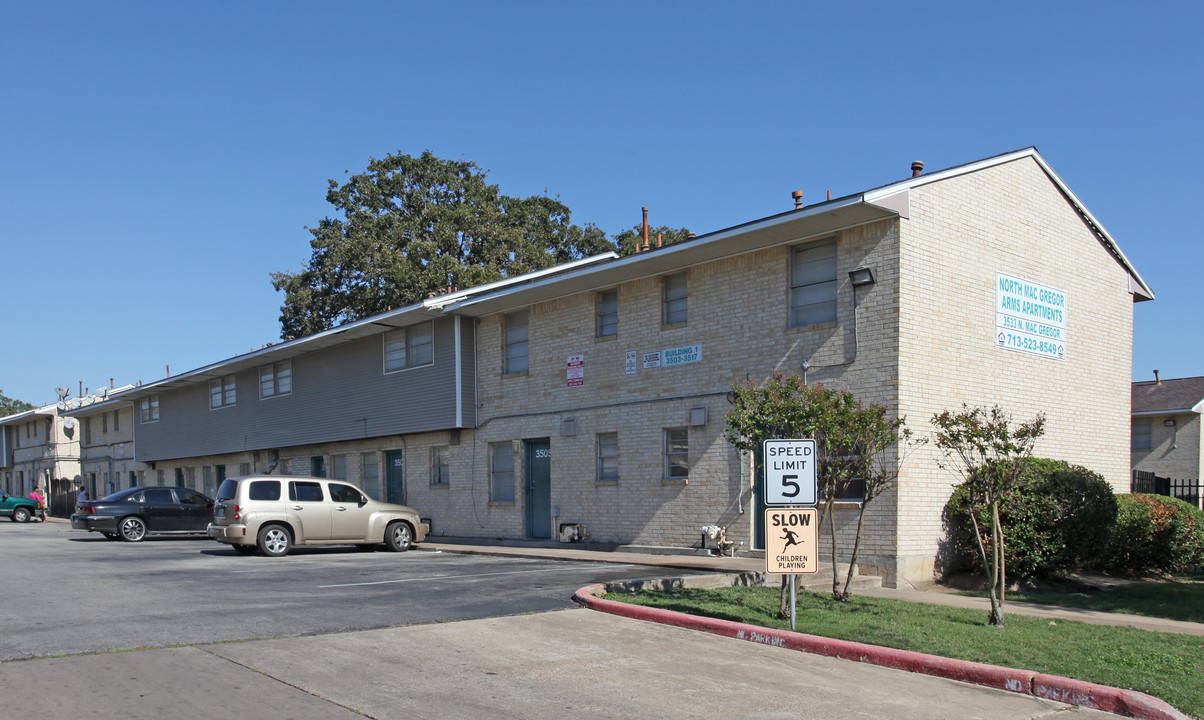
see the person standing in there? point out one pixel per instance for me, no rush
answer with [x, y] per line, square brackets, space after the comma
[40, 499]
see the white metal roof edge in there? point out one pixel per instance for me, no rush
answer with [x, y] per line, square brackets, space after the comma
[442, 301]
[1030, 152]
[1173, 411]
[670, 250]
[17, 417]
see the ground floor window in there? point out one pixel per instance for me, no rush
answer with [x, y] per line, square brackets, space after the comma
[501, 472]
[677, 453]
[608, 457]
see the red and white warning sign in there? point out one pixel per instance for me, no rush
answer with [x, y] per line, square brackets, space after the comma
[576, 370]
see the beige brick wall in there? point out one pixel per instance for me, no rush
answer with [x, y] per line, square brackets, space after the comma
[1012, 219]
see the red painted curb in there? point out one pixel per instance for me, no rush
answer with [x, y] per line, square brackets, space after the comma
[1051, 687]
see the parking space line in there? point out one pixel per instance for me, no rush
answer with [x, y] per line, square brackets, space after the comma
[444, 577]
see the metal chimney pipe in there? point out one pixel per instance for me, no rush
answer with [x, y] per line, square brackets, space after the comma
[917, 167]
[1157, 380]
[798, 198]
[645, 228]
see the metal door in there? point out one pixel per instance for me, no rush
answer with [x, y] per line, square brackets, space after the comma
[395, 477]
[538, 473]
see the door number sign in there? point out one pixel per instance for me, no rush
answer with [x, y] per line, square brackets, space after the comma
[790, 472]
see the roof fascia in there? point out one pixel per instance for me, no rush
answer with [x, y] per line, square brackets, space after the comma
[669, 251]
[1169, 411]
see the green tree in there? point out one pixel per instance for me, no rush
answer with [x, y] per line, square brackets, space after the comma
[415, 226]
[989, 453]
[9, 406]
[853, 442]
[631, 241]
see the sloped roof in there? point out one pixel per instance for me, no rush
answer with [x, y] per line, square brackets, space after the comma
[1179, 395]
[608, 270]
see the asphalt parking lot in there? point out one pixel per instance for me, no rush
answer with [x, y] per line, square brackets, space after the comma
[68, 591]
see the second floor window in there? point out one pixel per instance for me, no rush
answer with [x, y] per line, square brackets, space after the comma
[608, 313]
[276, 379]
[149, 409]
[608, 457]
[515, 350]
[222, 392]
[677, 453]
[674, 299]
[409, 347]
[813, 284]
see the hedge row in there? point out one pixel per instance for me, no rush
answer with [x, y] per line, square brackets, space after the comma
[1065, 517]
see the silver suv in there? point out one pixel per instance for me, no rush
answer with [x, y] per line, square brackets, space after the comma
[273, 513]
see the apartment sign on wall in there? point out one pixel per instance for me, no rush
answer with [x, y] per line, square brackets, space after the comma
[1029, 318]
[575, 370]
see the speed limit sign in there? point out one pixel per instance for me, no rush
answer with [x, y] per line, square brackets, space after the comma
[790, 472]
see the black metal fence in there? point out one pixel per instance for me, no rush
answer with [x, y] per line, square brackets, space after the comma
[1147, 482]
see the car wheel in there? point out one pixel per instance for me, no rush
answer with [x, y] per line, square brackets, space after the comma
[21, 514]
[245, 549]
[399, 537]
[133, 529]
[274, 540]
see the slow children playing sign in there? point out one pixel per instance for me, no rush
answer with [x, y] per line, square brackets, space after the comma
[791, 534]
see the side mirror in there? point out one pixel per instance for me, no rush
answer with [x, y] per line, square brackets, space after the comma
[363, 501]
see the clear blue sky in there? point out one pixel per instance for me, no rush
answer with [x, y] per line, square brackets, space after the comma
[160, 159]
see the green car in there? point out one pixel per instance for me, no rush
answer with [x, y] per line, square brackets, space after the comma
[18, 509]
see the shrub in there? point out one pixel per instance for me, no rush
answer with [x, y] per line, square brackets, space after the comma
[1155, 534]
[1060, 517]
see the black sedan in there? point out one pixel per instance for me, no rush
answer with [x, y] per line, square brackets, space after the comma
[137, 512]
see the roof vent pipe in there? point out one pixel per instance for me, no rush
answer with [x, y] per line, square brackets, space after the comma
[1157, 380]
[798, 198]
[917, 167]
[645, 228]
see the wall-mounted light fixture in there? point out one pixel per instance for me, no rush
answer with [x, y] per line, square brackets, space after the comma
[1169, 423]
[861, 276]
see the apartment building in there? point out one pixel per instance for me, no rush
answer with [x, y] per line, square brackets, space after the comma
[592, 395]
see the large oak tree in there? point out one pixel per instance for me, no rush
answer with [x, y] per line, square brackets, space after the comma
[413, 226]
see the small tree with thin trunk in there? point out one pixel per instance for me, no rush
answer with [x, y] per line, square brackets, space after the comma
[988, 452]
[852, 443]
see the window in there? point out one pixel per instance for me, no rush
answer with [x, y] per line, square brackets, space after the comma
[345, 494]
[440, 469]
[244, 469]
[608, 457]
[116, 421]
[104, 423]
[300, 491]
[370, 472]
[677, 453]
[264, 490]
[675, 299]
[317, 466]
[1142, 433]
[338, 470]
[207, 481]
[276, 379]
[187, 497]
[179, 477]
[149, 411]
[501, 472]
[608, 313]
[515, 359]
[157, 496]
[221, 392]
[159, 476]
[813, 284]
[409, 347]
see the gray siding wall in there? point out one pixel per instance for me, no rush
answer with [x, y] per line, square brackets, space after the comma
[340, 393]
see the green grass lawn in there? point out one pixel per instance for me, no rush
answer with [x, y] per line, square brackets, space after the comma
[1176, 600]
[1167, 666]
